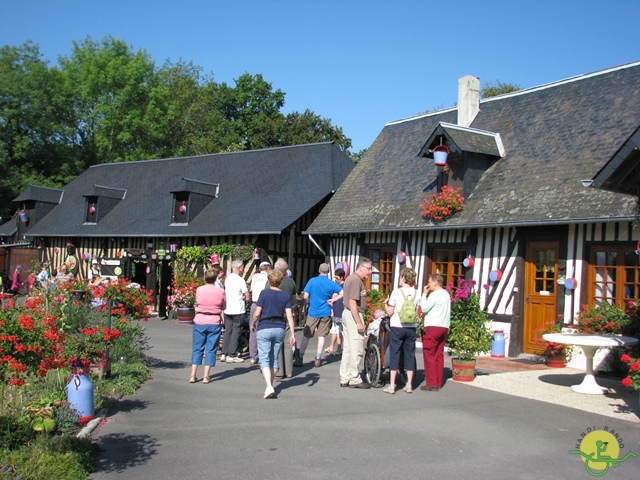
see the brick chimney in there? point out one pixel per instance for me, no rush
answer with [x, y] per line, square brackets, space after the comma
[468, 99]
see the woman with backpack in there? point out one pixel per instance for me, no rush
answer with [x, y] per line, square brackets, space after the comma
[401, 306]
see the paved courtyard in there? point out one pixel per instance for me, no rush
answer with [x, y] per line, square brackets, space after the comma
[316, 430]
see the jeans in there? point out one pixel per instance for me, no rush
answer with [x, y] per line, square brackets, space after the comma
[205, 339]
[270, 342]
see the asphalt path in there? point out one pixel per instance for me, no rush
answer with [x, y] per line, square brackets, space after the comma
[317, 430]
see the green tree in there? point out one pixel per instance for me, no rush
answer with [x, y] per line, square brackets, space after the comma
[492, 89]
[34, 133]
[119, 116]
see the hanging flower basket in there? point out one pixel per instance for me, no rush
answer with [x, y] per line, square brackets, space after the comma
[440, 206]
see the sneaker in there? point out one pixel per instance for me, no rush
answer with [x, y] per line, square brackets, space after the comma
[269, 392]
[253, 361]
[317, 362]
[234, 360]
[223, 358]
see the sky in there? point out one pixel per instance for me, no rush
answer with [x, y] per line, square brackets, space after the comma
[359, 63]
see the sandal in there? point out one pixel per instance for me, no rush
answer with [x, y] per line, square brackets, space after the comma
[389, 390]
[193, 379]
[206, 380]
[408, 389]
[328, 351]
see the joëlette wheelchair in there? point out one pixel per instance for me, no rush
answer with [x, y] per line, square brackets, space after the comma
[376, 357]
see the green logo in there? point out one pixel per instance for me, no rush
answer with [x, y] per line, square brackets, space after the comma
[599, 450]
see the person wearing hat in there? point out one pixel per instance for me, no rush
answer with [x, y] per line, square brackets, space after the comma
[16, 280]
[320, 293]
[94, 270]
[259, 282]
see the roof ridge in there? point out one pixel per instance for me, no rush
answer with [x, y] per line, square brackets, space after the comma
[211, 154]
[582, 76]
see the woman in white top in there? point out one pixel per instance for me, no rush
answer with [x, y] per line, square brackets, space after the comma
[436, 306]
[403, 335]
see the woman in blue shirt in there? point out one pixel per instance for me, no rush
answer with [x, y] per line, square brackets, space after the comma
[273, 309]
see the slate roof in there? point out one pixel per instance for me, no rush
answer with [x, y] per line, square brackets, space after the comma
[41, 194]
[260, 192]
[554, 136]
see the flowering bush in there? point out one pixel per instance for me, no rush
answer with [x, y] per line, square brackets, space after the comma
[184, 286]
[553, 350]
[88, 346]
[468, 333]
[606, 318]
[375, 301]
[633, 377]
[128, 300]
[440, 206]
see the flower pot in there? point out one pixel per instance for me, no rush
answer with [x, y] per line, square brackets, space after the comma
[556, 361]
[186, 315]
[463, 370]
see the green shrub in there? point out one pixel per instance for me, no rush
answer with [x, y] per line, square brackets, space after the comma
[14, 432]
[32, 464]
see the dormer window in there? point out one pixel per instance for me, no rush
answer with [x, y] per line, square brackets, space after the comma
[100, 201]
[91, 214]
[190, 198]
[181, 208]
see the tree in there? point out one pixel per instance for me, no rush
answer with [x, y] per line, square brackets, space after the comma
[35, 141]
[498, 88]
[119, 116]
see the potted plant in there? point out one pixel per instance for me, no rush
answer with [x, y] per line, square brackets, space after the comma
[469, 333]
[183, 297]
[440, 206]
[556, 353]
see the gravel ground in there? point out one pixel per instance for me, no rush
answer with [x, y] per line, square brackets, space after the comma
[553, 386]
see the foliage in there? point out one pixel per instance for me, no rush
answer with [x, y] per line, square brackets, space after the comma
[129, 301]
[441, 206]
[469, 334]
[375, 301]
[493, 89]
[14, 432]
[125, 379]
[357, 156]
[633, 310]
[553, 350]
[189, 256]
[633, 377]
[606, 318]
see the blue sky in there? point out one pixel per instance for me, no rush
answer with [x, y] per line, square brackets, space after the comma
[361, 63]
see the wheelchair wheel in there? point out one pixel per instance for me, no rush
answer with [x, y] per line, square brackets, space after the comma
[372, 365]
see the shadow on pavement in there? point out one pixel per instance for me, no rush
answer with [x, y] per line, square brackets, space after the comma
[126, 451]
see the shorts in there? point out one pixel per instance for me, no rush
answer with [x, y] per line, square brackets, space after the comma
[336, 326]
[314, 324]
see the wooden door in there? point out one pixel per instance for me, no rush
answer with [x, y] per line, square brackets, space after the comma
[541, 287]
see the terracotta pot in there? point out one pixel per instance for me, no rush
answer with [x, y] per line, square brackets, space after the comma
[556, 361]
[186, 315]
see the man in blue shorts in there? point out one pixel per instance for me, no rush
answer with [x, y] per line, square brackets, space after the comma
[320, 293]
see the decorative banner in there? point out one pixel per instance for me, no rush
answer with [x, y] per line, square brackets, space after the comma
[402, 257]
[344, 266]
[495, 275]
[570, 283]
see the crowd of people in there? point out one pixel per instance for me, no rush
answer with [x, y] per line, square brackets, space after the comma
[335, 307]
